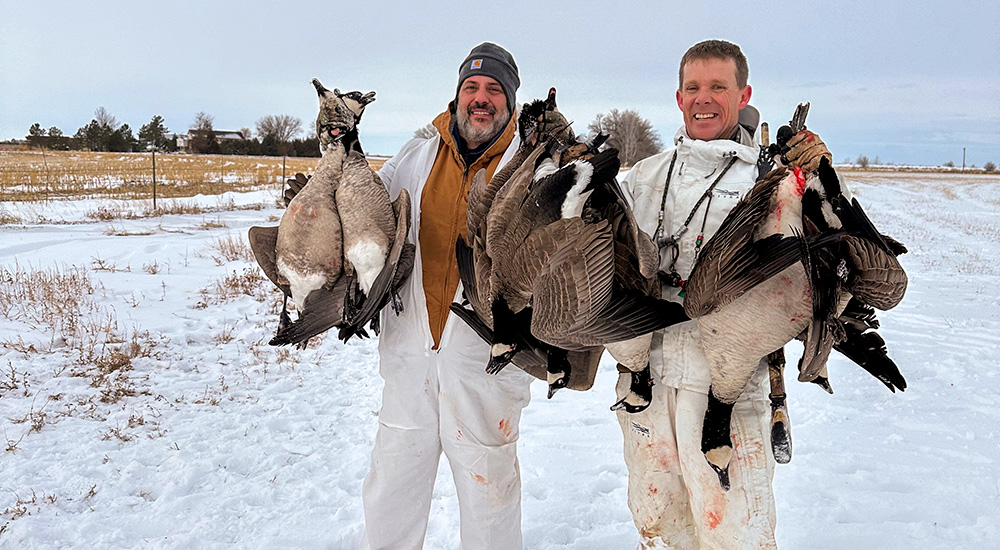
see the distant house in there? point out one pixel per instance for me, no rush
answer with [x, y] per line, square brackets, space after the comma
[184, 140]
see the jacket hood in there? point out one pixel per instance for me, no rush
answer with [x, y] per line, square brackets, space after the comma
[743, 147]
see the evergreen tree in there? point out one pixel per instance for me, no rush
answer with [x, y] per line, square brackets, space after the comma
[154, 133]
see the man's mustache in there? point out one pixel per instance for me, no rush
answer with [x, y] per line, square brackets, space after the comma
[482, 105]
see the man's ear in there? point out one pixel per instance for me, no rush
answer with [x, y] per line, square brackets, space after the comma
[744, 96]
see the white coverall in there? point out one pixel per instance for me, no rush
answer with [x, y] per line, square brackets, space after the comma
[440, 400]
[675, 496]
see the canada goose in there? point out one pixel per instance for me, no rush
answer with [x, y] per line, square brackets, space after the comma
[557, 288]
[339, 251]
[785, 261]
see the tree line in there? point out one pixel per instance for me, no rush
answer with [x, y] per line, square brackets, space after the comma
[276, 135]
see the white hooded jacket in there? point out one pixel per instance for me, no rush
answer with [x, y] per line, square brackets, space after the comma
[697, 165]
[410, 329]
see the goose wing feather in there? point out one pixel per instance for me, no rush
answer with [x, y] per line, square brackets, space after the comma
[262, 244]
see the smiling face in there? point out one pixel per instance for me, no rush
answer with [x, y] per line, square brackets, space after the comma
[481, 111]
[711, 98]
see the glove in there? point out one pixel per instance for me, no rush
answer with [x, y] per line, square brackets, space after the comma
[805, 150]
[554, 124]
[294, 186]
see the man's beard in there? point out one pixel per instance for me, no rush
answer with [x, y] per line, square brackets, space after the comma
[479, 134]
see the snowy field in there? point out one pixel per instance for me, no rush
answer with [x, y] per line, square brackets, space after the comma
[161, 418]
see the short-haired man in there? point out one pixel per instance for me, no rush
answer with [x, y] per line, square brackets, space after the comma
[680, 198]
[437, 395]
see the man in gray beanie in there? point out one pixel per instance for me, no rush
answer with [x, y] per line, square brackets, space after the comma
[437, 396]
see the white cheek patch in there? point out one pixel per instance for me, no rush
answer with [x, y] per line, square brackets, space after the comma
[576, 198]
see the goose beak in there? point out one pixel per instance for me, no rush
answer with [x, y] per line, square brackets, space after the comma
[500, 356]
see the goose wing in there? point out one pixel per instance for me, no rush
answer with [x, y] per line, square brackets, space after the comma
[731, 261]
[262, 243]
[865, 346]
[571, 271]
[322, 310]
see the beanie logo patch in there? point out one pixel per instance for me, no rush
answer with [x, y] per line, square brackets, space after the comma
[476, 64]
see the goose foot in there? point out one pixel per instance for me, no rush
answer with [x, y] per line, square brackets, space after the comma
[634, 389]
[781, 432]
[396, 302]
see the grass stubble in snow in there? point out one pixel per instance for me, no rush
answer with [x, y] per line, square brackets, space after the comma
[140, 405]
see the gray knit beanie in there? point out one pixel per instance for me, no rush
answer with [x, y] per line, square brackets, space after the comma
[488, 59]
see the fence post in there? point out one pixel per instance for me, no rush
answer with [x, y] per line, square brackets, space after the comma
[154, 179]
[282, 182]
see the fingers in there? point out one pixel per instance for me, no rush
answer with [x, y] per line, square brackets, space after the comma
[805, 151]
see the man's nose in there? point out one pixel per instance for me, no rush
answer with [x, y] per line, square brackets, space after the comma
[481, 96]
[703, 96]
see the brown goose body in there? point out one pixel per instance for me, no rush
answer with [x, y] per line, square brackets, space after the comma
[367, 219]
[309, 246]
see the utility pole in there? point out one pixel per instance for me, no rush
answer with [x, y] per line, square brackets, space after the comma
[963, 159]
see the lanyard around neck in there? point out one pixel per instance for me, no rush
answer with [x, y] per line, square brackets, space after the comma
[673, 242]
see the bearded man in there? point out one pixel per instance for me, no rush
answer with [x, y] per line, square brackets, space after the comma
[438, 397]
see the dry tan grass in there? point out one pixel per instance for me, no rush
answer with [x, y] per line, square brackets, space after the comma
[61, 303]
[33, 175]
[231, 248]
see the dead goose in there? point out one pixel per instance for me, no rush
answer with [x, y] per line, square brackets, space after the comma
[785, 261]
[556, 289]
[336, 252]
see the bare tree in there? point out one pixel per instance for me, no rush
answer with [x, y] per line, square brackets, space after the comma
[280, 127]
[426, 132]
[203, 138]
[632, 135]
[106, 119]
[203, 121]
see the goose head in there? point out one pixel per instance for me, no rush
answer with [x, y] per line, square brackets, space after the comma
[339, 113]
[504, 342]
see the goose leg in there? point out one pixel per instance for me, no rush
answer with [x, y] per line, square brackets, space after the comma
[781, 429]
[634, 389]
[350, 297]
[283, 319]
[716, 441]
[558, 370]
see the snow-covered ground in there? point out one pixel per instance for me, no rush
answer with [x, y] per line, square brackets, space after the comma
[209, 438]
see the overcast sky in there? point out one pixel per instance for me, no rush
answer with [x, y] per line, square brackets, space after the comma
[909, 82]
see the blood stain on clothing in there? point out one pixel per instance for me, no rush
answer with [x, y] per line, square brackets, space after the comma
[715, 510]
[506, 428]
[479, 479]
[459, 434]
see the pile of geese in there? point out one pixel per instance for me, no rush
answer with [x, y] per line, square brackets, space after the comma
[794, 259]
[554, 265]
[340, 250]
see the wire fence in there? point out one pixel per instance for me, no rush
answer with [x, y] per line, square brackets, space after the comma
[46, 175]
